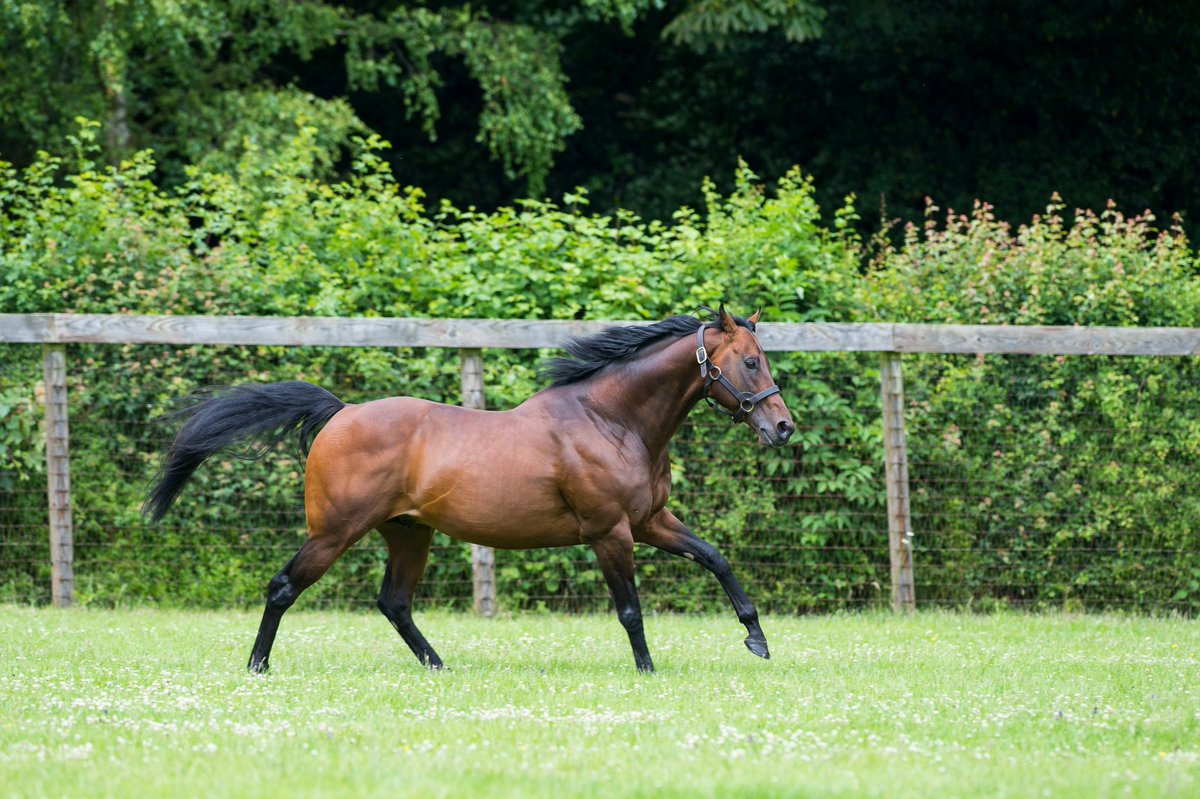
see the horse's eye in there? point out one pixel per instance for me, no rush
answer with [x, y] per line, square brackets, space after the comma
[751, 363]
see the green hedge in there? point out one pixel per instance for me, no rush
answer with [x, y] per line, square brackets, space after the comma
[271, 238]
[1092, 462]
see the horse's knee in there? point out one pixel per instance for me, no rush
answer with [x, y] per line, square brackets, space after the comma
[716, 561]
[630, 618]
[393, 608]
[281, 592]
[748, 617]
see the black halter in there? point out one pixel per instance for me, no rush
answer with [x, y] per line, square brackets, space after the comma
[711, 373]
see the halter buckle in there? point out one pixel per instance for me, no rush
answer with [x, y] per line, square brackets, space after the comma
[701, 355]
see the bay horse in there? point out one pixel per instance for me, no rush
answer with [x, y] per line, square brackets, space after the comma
[582, 462]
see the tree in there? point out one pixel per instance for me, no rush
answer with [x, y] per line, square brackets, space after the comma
[198, 79]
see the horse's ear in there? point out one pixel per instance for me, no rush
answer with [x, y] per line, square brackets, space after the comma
[754, 317]
[727, 321]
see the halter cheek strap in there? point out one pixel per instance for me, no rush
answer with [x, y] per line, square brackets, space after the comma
[711, 373]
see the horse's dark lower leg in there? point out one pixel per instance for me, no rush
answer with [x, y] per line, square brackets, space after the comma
[312, 560]
[281, 594]
[408, 551]
[667, 533]
[615, 556]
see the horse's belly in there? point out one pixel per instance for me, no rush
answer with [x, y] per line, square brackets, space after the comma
[503, 515]
[532, 538]
[504, 505]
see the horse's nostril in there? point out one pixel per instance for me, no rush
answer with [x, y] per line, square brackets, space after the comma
[786, 429]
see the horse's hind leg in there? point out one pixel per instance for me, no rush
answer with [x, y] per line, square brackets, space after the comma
[664, 531]
[408, 552]
[313, 559]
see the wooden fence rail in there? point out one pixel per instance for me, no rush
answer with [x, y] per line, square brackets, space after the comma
[54, 328]
[471, 336]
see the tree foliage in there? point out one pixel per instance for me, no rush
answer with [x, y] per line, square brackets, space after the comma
[714, 23]
[638, 100]
[189, 76]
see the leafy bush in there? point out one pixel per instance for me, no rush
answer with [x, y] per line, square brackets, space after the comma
[1049, 511]
[270, 237]
[1080, 468]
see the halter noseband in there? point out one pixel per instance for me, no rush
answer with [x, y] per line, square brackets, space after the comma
[711, 373]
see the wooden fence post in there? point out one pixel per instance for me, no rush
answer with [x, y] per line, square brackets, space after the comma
[895, 447]
[58, 475]
[483, 559]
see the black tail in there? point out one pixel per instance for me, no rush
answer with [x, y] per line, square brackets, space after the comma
[218, 418]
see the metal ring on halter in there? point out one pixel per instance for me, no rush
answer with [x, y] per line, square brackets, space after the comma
[715, 371]
[747, 404]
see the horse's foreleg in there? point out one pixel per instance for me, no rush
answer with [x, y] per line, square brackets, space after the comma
[667, 533]
[614, 552]
[408, 552]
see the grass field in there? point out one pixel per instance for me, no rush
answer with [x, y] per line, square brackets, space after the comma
[156, 703]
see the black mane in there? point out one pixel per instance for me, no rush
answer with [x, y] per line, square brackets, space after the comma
[591, 354]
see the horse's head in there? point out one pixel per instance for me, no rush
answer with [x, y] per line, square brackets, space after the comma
[737, 377]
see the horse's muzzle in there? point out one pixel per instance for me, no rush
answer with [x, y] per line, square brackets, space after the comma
[778, 435]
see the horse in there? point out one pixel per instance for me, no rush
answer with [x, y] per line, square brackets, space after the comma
[582, 462]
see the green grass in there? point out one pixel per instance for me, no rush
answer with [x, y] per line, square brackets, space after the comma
[157, 703]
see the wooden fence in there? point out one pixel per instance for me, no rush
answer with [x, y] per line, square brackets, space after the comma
[471, 336]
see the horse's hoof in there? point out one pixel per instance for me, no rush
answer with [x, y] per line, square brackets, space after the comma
[759, 647]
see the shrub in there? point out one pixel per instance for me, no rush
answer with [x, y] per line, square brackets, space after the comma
[272, 238]
[1078, 469]
[1017, 497]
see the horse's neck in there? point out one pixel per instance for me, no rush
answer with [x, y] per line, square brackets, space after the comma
[651, 396]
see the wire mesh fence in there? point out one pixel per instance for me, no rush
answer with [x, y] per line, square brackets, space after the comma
[1062, 481]
[1036, 481]
[24, 544]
